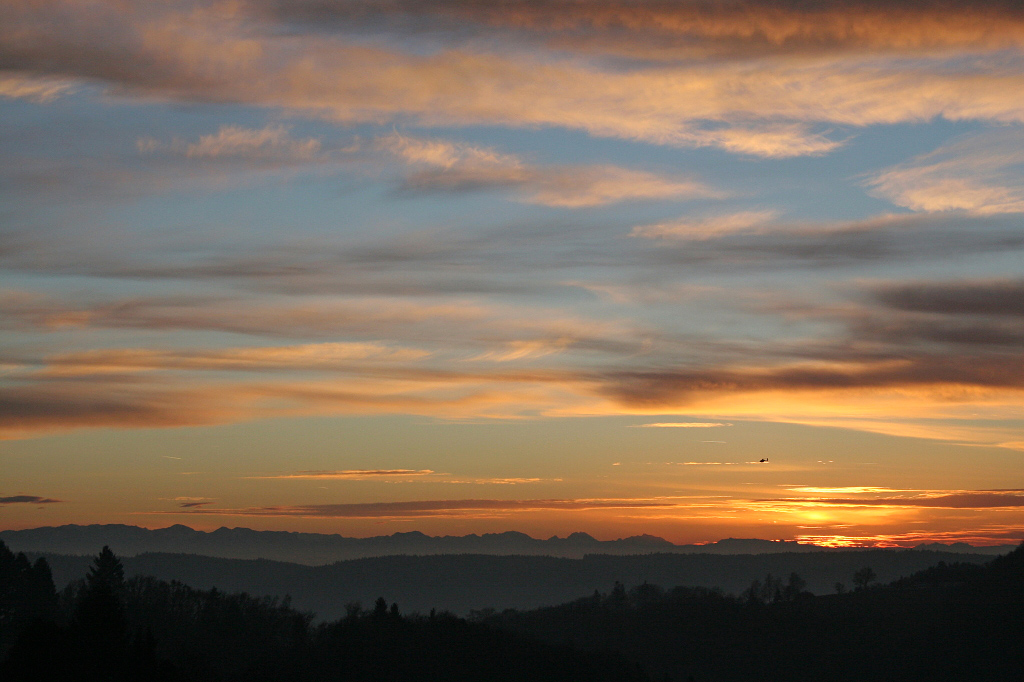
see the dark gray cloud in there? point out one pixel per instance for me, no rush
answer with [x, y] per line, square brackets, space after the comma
[904, 331]
[680, 28]
[84, 403]
[887, 239]
[521, 259]
[435, 508]
[27, 499]
[674, 386]
[993, 297]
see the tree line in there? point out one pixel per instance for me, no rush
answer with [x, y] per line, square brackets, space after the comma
[107, 627]
[951, 622]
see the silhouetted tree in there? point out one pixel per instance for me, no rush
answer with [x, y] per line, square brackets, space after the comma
[794, 587]
[768, 592]
[99, 625]
[646, 593]
[863, 578]
[618, 595]
[26, 594]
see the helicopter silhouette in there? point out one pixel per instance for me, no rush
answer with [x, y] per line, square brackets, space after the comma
[763, 460]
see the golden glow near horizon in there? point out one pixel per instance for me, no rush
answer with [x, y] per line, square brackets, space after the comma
[696, 269]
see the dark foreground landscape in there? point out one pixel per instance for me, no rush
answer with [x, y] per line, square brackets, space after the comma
[953, 621]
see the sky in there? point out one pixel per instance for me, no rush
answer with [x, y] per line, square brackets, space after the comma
[366, 267]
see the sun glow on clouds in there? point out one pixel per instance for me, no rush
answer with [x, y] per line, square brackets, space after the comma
[237, 142]
[401, 475]
[306, 356]
[353, 474]
[808, 520]
[845, 489]
[716, 225]
[453, 166]
[223, 55]
[33, 88]
[683, 425]
[991, 535]
[980, 174]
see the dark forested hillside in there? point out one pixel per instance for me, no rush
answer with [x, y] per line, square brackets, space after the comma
[950, 622]
[461, 583]
[107, 627]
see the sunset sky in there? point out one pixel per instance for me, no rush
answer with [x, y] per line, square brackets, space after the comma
[463, 266]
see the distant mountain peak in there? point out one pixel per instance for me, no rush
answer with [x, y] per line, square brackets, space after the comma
[321, 548]
[579, 535]
[649, 540]
[409, 534]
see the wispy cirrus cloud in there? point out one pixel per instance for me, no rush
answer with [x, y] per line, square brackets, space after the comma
[979, 173]
[186, 502]
[402, 475]
[848, 489]
[353, 474]
[702, 228]
[375, 278]
[451, 166]
[884, 238]
[711, 464]
[33, 88]
[287, 317]
[513, 480]
[683, 425]
[273, 143]
[318, 356]
[946, 499]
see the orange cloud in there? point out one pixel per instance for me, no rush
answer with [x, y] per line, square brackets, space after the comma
[316, 356]
[703, 228]
[974, 499]
[272, 143]
[990, 534]
[700, 27]
[455, 166]
[924, 396]
[354, 474]
[765, 107]
[33, 88]
[310, 317]
[683, 425]
[979, 173]
[408, 475]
